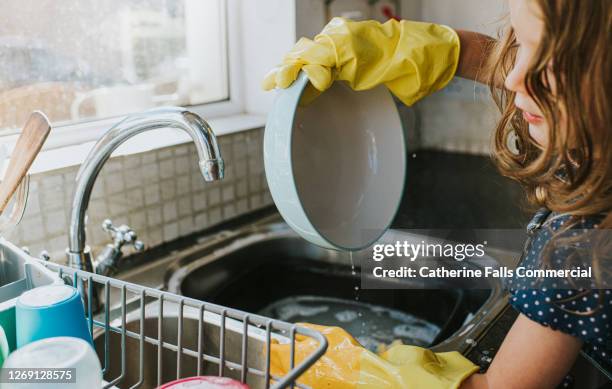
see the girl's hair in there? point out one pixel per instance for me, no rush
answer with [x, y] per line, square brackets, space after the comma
[573, 173]
[569, 79]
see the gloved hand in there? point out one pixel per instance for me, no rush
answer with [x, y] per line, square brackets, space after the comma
[413, 59]
[347, 365]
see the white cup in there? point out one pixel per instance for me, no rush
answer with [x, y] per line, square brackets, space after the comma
[55, 353]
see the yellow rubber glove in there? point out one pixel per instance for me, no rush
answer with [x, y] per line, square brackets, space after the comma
[413, 59]
[347, 365]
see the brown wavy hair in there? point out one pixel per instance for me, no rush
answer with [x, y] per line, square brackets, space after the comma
[572, 174]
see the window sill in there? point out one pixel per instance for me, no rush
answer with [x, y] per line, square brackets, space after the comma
[73, 155]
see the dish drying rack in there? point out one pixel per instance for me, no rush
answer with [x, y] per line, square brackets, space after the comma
[224, 319]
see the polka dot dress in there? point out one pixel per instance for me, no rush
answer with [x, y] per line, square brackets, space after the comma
[585, 313]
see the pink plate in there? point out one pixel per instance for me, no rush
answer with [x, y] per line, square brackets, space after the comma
[204, 383]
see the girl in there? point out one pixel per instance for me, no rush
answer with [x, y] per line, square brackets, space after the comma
[550, 75]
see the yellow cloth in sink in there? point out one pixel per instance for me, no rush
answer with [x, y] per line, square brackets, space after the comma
[347, 365]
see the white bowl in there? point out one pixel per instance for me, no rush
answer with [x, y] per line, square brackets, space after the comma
[336, 167]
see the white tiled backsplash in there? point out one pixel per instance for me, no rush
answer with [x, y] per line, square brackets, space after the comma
[160, 194]
[459, 118]
[462, 116]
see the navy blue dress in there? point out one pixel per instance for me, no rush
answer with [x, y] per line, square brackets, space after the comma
[584, 312]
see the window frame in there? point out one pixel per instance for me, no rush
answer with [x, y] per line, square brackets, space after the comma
[66, 134]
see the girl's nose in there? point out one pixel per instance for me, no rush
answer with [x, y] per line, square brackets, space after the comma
[515, 81]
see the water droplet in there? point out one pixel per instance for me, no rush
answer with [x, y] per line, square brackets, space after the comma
[471, 341]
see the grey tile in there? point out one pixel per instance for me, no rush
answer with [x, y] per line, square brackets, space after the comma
[154, 237]
[171, 231]
[70, 175]
[52, 199]
[150, 173]
[199, 201]
[228, 194]
[239, 148]
[186, 226]
[98, 190]
[154, 216]
[229, 173]
[148, 157]
[57, 245]
[214, 215]
[182, 165]
[197, 182]
[152, 194]
[254, 183]
[96, 236]
[164, 153]
[98, 209]
[169, 212]
[133, 178]
[132, 161]
[184, 206]
[267, 198]
[138, 220]
[33, 204]
[168, 190]
[229, 211]
[240, 168]
[255, 201]
[242, 206]
[113, 165]
[33, 229]
[117, 205]
[166, 168]
[201, 221]
[181, 150]
[183, 185]
[241, 188]
[114, 182]
[214, 196]
[52, 181]
[126, 183]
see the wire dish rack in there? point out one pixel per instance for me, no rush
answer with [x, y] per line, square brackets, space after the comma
[146, 337]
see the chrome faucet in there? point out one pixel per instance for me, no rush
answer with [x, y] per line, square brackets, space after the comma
[211, 167]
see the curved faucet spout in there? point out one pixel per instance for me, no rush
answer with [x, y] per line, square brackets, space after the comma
[210, 163]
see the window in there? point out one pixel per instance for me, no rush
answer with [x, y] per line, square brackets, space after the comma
[81, 60]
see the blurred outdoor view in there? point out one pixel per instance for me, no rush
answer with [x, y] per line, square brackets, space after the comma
[84, 59]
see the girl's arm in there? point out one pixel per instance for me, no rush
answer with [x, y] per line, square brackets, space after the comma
[531, 356]
[475, 50]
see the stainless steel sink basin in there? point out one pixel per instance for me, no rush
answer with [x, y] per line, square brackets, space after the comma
[126, 369]
[251, 268]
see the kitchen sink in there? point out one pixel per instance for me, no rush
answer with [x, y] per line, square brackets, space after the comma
[126, 369]
[256, 267]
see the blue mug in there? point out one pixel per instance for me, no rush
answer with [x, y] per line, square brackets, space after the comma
[50, 311]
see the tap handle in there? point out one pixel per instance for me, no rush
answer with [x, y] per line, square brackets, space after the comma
[139, 245]
[122, 235]
[107, 225]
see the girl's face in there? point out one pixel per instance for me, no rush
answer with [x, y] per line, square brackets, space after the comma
[528, 30]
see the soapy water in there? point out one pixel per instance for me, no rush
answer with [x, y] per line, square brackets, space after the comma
[375, 327]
